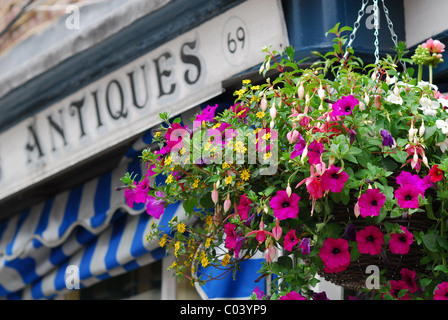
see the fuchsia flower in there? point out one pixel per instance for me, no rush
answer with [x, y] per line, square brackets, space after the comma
[284, 206]
[344, 106]
[370, 240]
[315, 150]
[441, 293]
[260, 233]
[233, 240]
[244, 207]
[290, 240]
[335, 255]
[400, 242]
[154, 206]
[292, 296]
[313, 183]
[334, 179]
[370, 203]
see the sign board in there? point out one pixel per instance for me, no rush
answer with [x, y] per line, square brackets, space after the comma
[173, 78]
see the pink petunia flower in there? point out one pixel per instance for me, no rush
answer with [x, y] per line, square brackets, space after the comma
[407, 196]
[244, 207]
[284, 206]
[154, 206]
[315, 150]
[441, 293]
[344, 106]
[408, 276]
[290, 240]
[334, 179]
[292, 296]
[370, 240]
[335, 255]
[370, 203]
[400, 242]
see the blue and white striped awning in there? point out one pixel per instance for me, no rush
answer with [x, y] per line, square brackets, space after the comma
[91, 227]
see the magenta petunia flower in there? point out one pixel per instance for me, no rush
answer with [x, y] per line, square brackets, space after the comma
[175, 135]
[407, 196]
[400, 242]
[283, 206]
[239, 110]
[334, 179]
[292, 296]
[396, 286]
[315, 150]
[408, 178]
[141, 192]
[298, 147]
[154, 206]
[290, 240]
[208, 114]
[344, 106]
[441, 293]
[244, 207]
[335, 255]
[370, 203]
[258, 293]
[370, 240]
[408, 276]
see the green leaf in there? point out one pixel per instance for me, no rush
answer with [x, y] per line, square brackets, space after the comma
[430, 242]
[441, 268]
[285, 261]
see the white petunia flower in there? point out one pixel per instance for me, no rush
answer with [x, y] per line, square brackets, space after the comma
[429, 106]
[443, 125]
[443, 145]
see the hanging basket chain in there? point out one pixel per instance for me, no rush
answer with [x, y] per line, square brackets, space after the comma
[376, 32]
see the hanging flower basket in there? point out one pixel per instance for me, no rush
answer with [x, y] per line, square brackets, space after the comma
[337, 169]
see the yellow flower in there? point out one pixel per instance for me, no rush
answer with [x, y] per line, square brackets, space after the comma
[207, 146]
[225, 165]
[168, 160]
[260, 114]
[157, 134]
[229, 179]
[169, 179]
[195, 183]
[254, 98]
[216, 126]
[267, 155]
[225, 261]
[176, 248]
[181, 227]
[266, 136]
[246, 81]
[173, 265]
[209, 220]
[208, 242]
[245, 175]
[255, 88]
[239, 147]
[162, 241]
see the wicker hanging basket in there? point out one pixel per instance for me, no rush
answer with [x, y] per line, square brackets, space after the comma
[355, 276]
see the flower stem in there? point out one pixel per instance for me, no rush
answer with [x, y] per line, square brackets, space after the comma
[420, 72]
[430, 73]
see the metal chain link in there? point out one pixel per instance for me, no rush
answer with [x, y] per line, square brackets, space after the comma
[377, 27]
[355, 27]
[391, 29]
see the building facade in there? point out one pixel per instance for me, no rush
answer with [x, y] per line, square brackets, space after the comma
[81, 87]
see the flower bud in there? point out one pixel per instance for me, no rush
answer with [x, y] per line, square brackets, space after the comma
[396, 91]
[357, 210]
[266, 209]
[362, 106]
[215, 195]
[321, 93]
[425, 161]
[272, 124]
[277, 230]
[301, 91]
[422, 129]
[366, 98]
[387, 79]
[273, 112]
[288, 190]
[263, 104]
[415, 157]
[270, 253]
[292, 136]
[227, 203]
[377, 102]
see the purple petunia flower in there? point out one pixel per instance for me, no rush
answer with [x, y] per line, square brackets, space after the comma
[344, 106]
[298, 147]
[305, 246]
[388, 141]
